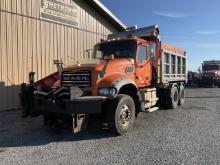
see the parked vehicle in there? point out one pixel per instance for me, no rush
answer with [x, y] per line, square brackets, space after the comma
[193, 78]
[136, 72]
[210, 74]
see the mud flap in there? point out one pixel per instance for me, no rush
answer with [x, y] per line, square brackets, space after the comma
[26, 99]
[72, 123]
[80, 123]
[27, 96]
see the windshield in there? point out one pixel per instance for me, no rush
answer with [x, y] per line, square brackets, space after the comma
[120, 49]
[211, 67]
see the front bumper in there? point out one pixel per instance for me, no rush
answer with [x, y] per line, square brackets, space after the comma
[81, 105]
[209, 81]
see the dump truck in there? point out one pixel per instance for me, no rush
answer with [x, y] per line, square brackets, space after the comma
[135, 72]
[210, 75]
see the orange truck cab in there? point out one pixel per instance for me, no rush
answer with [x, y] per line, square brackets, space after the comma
[135, 72]
[210, 74]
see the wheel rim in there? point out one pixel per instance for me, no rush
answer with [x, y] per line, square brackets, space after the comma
[125, 116]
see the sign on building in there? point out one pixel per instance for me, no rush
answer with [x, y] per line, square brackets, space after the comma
[60, 12]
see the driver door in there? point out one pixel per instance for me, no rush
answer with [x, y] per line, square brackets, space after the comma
[143, 73]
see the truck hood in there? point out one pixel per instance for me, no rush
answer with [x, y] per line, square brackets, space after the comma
[102, 74]
[211, 71]
[118, 66]
[106, 66]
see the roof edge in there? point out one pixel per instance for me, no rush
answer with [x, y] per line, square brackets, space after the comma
[107, 13]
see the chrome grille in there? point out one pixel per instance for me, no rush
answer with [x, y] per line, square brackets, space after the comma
[80, 79]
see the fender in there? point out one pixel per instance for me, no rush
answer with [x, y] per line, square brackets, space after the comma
[116, 80]
[122, 81]
[173, 85]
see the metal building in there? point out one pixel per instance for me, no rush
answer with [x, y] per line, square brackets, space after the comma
[35, 32]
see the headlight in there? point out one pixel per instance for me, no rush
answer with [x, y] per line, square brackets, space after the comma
[109, 92]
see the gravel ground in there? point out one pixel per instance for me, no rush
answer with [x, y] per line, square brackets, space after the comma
[188, 135]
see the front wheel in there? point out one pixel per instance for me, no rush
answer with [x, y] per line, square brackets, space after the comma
[121, 114]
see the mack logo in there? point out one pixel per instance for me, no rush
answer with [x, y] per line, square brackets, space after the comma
[81, 79]
[76, 78]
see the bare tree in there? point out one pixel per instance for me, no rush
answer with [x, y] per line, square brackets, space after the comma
[199, 70]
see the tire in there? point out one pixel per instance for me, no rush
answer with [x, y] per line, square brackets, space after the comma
[174, 100]
[121, 114]
[181, 95]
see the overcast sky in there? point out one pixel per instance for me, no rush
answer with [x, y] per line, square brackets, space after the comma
[191, 24]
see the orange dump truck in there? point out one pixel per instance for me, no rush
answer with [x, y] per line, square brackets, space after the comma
[135, 72]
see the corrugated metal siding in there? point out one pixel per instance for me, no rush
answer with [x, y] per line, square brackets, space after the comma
[28, 43]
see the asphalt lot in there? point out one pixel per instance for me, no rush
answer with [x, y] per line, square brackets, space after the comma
[188, 135]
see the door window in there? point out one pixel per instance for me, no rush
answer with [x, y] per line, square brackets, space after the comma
[142, 56]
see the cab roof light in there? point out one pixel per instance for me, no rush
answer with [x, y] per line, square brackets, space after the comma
[135, 27]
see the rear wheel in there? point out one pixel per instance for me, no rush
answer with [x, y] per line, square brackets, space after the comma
[121, 114]
[173, 103]
[181, 95]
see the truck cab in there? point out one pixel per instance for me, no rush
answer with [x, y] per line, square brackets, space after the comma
[210, 74]
[128, 59]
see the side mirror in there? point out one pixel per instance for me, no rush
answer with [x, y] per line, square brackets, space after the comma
[55, 62]
[59, 64]
[152, 50]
